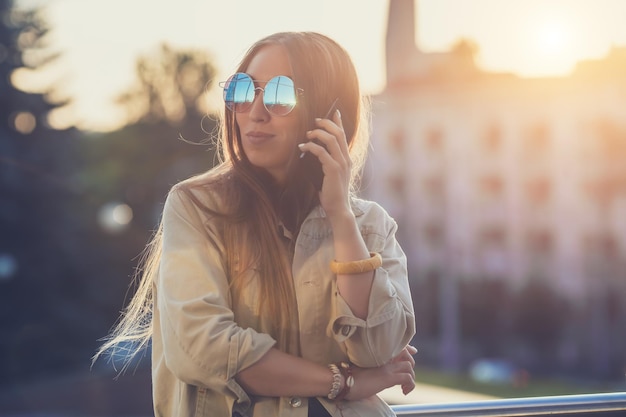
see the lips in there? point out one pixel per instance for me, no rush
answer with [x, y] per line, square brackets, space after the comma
[256, 137]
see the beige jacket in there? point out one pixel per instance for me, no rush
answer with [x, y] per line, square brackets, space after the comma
[199, 343]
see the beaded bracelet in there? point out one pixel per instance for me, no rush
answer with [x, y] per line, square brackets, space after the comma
[357, 267]
[336, 385]
[346, 371]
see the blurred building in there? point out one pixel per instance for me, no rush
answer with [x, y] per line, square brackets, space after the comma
[492, 176]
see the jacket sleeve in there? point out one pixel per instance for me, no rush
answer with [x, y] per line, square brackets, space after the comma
[202, 344]
[390, 323]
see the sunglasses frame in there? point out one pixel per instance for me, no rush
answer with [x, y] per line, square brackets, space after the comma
[248, 104]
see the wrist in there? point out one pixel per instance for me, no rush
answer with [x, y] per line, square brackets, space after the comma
[337, 383]
[346, 371]
[343, 220]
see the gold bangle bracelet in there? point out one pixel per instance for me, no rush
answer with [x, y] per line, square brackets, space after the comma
[357, 267]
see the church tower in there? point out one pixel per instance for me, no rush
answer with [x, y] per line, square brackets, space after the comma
[401, 51]
[406, 63]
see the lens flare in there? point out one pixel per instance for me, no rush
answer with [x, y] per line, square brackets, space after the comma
[115, 217]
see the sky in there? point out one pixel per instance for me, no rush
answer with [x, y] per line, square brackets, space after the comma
[99, 40]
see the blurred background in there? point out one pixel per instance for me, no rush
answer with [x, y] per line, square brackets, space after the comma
[498, 144]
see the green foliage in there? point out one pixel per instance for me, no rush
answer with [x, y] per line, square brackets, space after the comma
[73, 275]
[36, 221]
[170, 86]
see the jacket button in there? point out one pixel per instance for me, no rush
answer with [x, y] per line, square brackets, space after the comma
[345, 330]
[295, 402]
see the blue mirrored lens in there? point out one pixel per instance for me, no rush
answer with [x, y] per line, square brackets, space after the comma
[280, 95]
[239, 92]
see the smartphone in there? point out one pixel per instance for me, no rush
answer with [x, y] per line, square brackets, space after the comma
[311, 165]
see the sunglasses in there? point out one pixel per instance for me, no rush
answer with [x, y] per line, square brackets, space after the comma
[279, 94]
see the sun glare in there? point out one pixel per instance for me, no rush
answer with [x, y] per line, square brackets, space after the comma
[551, 46]
[553, 38]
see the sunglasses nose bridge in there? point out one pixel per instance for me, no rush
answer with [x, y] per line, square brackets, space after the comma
[259, 94]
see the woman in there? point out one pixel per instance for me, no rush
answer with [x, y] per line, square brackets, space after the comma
[262, 294]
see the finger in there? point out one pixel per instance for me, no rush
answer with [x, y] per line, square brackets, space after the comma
[409, 383]
[406, 380]
[403, 356]
[400, 368]
[407, 354]
[411, 361]
[342, 144]
[324, 136]
[338, 171]
[316, 149]
[325, 147]
[333, 136]
[406, 388]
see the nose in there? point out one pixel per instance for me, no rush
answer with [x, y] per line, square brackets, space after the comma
[258, 112]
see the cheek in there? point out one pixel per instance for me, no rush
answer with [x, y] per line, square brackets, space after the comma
[292, 128]
[295, 136]
[292, 134]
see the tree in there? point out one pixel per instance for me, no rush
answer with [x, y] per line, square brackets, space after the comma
[170, 86]
[63, 277]
[36, 272]
[168, 140]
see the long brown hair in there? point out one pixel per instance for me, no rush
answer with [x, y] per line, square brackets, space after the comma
[254, 205]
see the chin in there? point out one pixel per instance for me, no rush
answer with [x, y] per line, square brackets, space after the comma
[268, 162]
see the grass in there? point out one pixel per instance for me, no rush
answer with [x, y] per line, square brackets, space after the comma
[533, 388]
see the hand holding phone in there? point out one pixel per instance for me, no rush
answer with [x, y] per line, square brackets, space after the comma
[310, 163]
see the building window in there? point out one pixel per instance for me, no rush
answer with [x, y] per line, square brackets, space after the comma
[539, 191]
[493, 236]
[397, 185]
[609, 141]
[434, 187]
[434, 139]
[602, 245]
[492, 139]
[537, 141]
[492, 251]
[540, 241]
[397, 141]
[492, 186]
[434, 233]
[540, 250]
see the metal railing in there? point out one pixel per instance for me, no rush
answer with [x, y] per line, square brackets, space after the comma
[609, 404]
